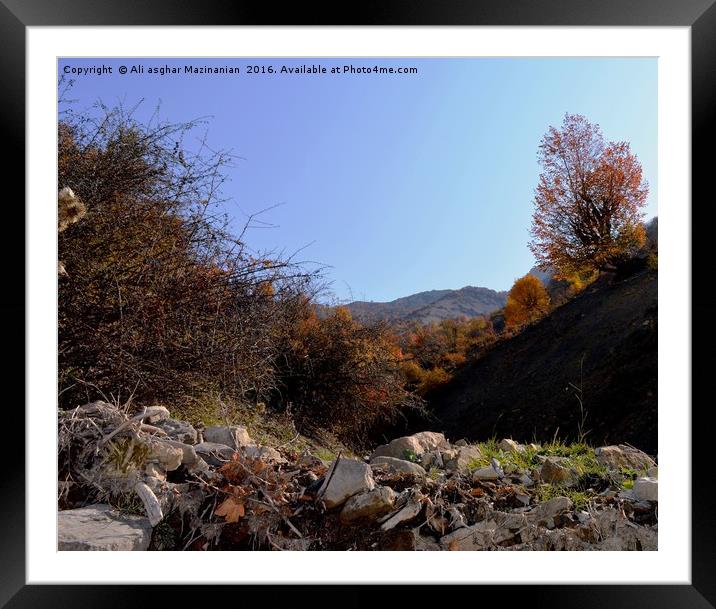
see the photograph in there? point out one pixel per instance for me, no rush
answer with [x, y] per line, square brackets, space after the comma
[357, 303]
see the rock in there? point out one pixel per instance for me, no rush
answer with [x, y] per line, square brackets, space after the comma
[345, 478]
[408, 540]
[614, 457]
[646, 489]
[553, 472]
[370, 505]
[408, 512]
[399, 465]
[264, 453]
[189, 456]
[416, 444]
[166, 455]
[181, 431]
[154, 470]
[479, 536]
[213, 453]
[154, 414]
[545, 513]
[463, 457]
[526, 480]
[309, 461]
[461, 443]
[432, 458]
[510, 446]
[235, 436]
[108, 414]
[496, 466]
[485, 473]
[652, 472]
[99, 527]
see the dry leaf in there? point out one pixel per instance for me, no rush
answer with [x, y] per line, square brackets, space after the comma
[231, 509]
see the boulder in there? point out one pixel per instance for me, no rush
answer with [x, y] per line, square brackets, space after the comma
[154, 414]
[485, 473]
[181, 431]
[545, 513]
[509, 445]
[370, 505]
[432, 458]
[409, 511]
[213, 453]
[462, 458]
[345, 478]
[154, 470]
[614, 457]
[264, 453]
[189, 456]
[100, 527]
[646, 489]
[479, 536]
[235, 436]
[167, 456]
[399, 465]
[554, 472]
[416, 444]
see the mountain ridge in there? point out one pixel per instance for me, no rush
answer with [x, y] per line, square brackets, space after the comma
[432, 305]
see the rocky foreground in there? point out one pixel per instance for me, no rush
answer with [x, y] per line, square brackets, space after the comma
[148, 481]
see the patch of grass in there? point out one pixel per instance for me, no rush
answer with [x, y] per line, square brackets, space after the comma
[628, 483]
[411, 456]
[434, 473]
[324, 454]
[580, 499]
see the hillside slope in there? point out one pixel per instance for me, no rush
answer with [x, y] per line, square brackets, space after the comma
[435, 305]
[520, 387]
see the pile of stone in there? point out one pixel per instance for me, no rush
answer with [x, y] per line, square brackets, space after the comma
[147, 480]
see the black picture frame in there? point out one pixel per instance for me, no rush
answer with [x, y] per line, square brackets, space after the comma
[700, 15]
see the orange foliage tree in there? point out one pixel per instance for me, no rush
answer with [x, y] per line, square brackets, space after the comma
[588, 200]
[527, 301]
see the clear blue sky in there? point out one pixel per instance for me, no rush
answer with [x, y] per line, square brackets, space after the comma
[403, 182]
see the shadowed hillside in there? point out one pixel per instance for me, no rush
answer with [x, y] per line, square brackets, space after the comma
[521, 388]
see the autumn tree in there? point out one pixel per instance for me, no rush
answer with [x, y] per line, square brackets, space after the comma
[588, 200]
[527, 301]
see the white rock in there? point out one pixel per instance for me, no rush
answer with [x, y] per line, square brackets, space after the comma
[554, 472]
[345, 478]
[485, 473]
[213, 453]
[180, 431]
[99, 527]
[646, 489]
[479, 536]
[168, 456]
[416, 444]
[372, 504]
[545, 513]
[399, 465]
[154, 414]
[235, 436]
[189, 456]
[615, 457]
[408, 512]
[509, 445]
[264, 453]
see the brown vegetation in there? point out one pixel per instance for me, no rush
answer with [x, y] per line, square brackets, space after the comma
[164, 304]
[588, 201]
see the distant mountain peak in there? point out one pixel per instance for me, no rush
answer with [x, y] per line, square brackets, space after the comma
[432, 305]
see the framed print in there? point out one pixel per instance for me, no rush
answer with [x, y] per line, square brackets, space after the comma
[324, 288]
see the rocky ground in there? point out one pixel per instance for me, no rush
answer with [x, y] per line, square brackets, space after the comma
[147, 481]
